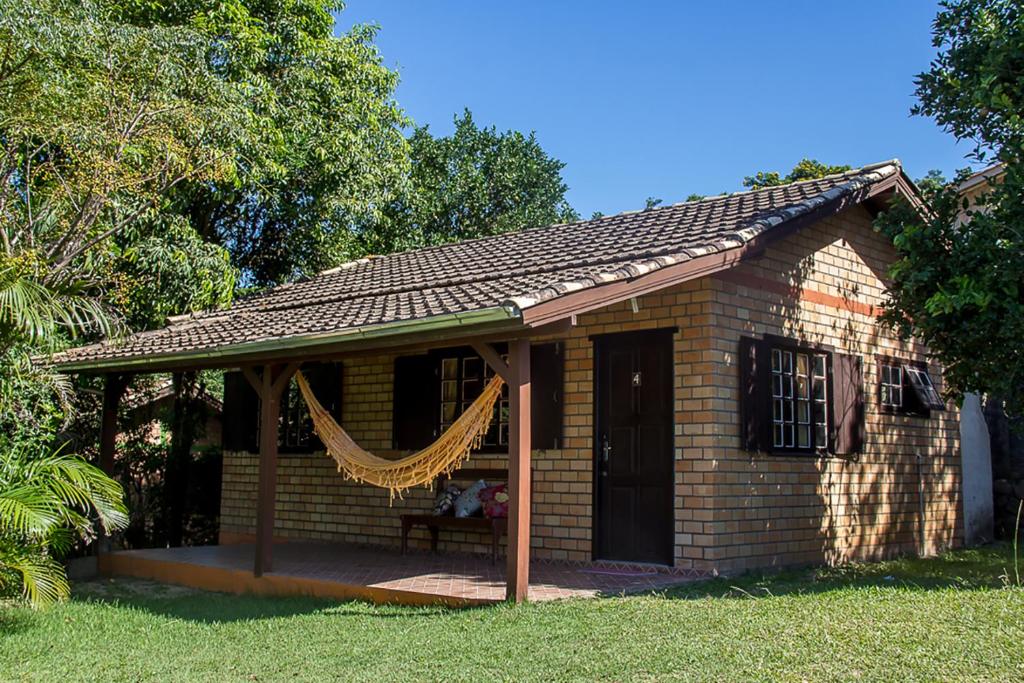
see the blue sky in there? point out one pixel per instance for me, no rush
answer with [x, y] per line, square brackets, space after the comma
[662, 99]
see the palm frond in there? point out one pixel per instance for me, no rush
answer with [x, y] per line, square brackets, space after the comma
[34, 310]
[43, 579]
[46, 503]
[27, 510]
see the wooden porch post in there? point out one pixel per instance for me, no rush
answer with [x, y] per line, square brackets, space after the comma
[269, 385]
[518, 573]
[114, 386]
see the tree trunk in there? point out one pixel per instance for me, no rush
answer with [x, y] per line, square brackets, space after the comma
[185, 420]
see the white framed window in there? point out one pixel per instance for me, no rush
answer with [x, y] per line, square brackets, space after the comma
[891, 386]
[800, 399]
[923, 388]
[463, 376]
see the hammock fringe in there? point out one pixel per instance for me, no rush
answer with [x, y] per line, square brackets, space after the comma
[442, 457]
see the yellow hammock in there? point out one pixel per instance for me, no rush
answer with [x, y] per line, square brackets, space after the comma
[421, 468]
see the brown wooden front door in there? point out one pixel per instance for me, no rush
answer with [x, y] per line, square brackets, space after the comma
[633, 447]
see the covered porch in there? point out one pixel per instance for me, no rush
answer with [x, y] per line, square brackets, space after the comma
[336, 570]
[333, 570]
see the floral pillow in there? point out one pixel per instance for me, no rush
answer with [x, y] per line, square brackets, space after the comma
[445, 502]
[495, 501]
[468, 502]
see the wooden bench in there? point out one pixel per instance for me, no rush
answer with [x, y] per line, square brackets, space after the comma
[497, 526]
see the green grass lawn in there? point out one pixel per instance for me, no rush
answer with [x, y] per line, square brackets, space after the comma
[947, 618]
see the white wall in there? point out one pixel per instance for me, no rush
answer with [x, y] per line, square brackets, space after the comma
[977, 472]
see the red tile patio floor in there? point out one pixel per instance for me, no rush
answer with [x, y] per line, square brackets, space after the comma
[380, 575]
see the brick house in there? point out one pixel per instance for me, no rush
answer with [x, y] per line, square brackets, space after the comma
[710, 390]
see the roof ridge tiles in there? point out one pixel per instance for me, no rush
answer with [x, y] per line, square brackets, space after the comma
[852, 172]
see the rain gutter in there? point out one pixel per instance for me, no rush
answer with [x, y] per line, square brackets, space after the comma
[420, 326]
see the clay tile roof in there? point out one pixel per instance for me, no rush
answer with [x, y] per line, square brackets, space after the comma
[505, 274]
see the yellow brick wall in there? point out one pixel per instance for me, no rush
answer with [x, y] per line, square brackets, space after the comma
[819, 286]
[733, 510]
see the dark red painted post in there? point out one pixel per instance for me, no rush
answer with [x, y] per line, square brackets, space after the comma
[518, 576]
[269, 387]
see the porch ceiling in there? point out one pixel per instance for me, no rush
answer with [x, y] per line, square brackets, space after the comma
[505, 284]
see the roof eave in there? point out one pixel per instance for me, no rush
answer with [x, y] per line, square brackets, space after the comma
[398, 332]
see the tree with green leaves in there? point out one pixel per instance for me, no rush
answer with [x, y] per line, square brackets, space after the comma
[100, 121]
[958, 285]
[320, 145]
[472, 183]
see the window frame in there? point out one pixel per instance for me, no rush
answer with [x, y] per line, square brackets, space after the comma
[294, 409]
[461, 355]
[927, 404]
[888, 405]
[913, 404]
[775, 343]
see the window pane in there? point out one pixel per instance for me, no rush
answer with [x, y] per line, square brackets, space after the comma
[803, 412]
[787, 361]
[819, 366]
[820, 439]
[803, 389]
[449, 390]
[777, 410]
[471, 366]
[777, 435]
[449, 368]
[819, 390]
[448, 412]
[801, 364]
[777, 385]
[776, 360]
[803, 436]
[470, 389]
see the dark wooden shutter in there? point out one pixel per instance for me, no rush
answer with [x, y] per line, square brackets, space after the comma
[241, 414]
[755, 415]
[415, 401]
[546, 386]
[847, 404]
[325, 381]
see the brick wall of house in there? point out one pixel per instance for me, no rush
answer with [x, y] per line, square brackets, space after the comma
[733, 510]
[819, 286]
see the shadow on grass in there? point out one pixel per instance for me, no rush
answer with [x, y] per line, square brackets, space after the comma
[976, 569]
[14, 618]
[208, 607]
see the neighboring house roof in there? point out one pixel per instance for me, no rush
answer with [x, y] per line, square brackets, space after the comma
[136, 400]
[982, 177]
[524, 278]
